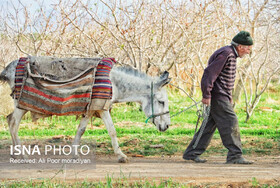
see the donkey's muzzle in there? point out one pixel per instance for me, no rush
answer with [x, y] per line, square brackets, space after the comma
[163, 129]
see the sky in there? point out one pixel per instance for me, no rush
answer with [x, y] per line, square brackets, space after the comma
[30, 3]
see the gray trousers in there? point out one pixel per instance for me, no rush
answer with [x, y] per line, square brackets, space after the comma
[224, 118]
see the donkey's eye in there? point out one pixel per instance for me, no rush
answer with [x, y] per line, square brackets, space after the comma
[161, 102]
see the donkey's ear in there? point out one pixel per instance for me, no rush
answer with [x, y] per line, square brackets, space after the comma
[164, 75]
[164, 80]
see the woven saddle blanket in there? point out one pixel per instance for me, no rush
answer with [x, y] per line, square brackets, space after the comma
[61, 86]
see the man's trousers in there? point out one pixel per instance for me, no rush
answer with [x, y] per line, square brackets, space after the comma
[223, 117]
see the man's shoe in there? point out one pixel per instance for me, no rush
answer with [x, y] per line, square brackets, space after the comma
[197, 160]
[239, 161]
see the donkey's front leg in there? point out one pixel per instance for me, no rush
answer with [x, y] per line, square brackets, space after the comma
[13, 121]
[81, 130]
[106, 117]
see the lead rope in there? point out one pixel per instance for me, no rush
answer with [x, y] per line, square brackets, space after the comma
[205, 115]
[196, 103]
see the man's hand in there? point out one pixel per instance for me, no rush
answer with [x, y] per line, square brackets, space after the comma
[206, 101]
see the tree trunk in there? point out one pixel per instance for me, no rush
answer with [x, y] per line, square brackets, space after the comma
[238, 90]
[193, 87]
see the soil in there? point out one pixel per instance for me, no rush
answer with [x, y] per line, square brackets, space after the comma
[214, 173]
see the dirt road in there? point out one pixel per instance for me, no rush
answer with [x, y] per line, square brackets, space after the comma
[214, 172]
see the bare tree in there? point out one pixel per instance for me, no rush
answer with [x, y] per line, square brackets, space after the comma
[259, 74]
[151, 36]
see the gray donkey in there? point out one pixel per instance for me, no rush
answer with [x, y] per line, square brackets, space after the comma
[128, 85]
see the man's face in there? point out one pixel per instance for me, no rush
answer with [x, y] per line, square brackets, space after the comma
[242, 50]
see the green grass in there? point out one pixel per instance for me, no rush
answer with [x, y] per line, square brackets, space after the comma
[123, 181]
[180, 131]
[110, 182]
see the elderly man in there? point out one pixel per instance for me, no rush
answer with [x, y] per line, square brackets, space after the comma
[216, 85]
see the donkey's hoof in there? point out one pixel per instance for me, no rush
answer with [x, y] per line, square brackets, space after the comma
[75, 156]
[123, 160]
[13, 156]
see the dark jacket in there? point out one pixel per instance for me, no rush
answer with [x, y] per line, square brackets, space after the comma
[219, 76]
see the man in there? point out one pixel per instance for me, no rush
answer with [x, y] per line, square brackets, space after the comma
[216, 84]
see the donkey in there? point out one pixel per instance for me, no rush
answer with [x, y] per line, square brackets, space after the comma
[129, 85]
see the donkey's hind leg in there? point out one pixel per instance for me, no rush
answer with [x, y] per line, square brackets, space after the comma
[81, 129]
[106, 117]
[13, 121]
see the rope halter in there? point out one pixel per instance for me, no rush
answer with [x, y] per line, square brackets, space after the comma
[152, 106]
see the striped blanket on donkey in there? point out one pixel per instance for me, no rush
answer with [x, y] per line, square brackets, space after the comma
[102, 88]
[43, 84]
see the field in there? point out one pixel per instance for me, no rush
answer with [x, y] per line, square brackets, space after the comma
[162, 166]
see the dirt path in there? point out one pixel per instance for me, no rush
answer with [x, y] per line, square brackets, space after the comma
[214, 172]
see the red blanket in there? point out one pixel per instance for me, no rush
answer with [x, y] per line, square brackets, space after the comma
[69, 98]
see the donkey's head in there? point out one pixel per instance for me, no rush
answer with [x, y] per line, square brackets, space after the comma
[156, 104]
